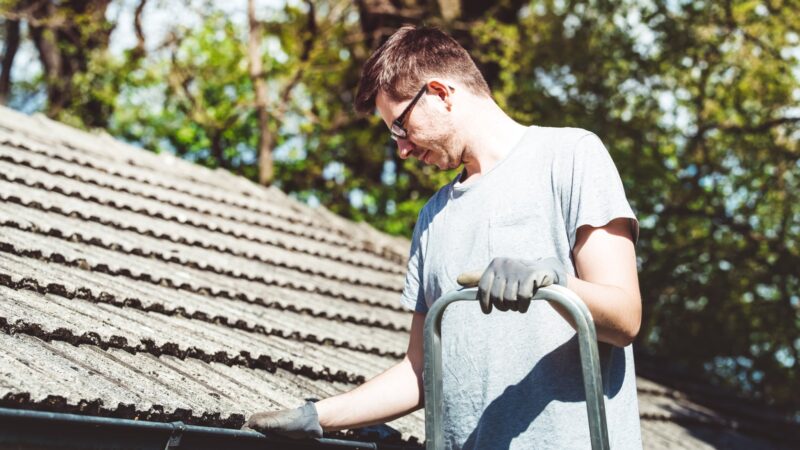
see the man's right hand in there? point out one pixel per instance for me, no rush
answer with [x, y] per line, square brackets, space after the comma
[298, 423]
[510, 283]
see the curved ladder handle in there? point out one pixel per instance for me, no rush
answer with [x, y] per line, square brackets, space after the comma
[587, 342]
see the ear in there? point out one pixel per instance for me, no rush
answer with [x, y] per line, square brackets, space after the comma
[443, 89]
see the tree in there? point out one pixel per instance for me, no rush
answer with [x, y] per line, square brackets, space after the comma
[66, 35]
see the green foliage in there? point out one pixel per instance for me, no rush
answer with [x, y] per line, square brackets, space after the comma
[195, 100]
[696, 101]
[698, 106]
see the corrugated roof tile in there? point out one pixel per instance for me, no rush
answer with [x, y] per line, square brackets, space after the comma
[166, 291]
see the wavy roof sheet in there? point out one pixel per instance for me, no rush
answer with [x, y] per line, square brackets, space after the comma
[138, 285]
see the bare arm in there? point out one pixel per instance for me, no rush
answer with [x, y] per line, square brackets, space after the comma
[392, 394]
[605, 261]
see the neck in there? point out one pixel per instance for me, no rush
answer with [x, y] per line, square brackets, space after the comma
[489, 138]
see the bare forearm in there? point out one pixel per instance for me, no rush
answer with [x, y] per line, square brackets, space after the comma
[392, 394]
[617, 314]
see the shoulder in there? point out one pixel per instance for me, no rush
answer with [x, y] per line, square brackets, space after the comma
[561, 143]
[570, 139]
[580, 149]
[578, 153]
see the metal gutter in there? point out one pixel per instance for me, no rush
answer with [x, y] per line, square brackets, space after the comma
[23, 429]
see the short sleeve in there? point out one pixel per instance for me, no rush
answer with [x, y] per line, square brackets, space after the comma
[413, 296]
[592, 192]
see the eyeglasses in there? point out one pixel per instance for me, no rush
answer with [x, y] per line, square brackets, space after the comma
[398, 131]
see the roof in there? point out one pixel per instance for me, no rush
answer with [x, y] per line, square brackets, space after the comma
[141, 286]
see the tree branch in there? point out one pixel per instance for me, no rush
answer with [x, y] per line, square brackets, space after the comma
[759, 128]
[139, 50]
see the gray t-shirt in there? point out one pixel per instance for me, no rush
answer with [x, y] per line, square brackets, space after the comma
[511, 380]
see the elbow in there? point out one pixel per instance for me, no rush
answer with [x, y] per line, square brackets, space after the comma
[620, 335]
[627, 336]
[630, 330]
[628, 326]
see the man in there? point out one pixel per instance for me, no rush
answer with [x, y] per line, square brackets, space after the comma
[533, 206]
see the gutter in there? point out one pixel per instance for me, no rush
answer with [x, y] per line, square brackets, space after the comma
[25, 429]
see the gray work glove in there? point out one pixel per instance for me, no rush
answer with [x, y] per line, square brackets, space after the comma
[298, 423]
[509, 283]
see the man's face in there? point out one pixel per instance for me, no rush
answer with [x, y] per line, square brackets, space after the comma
[431, 134]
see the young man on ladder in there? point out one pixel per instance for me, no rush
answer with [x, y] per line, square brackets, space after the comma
[533, 206]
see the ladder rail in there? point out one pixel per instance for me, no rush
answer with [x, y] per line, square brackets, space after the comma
[589, 356]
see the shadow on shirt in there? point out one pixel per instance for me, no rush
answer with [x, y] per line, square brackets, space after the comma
[513, 411]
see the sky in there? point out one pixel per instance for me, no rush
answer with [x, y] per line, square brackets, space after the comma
[161, 15]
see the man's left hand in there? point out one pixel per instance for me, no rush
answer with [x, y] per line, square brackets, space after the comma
[510, 283]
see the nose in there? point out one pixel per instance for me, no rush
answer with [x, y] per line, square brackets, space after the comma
[404, 148]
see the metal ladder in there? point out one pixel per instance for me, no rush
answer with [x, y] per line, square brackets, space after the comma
[587, 342]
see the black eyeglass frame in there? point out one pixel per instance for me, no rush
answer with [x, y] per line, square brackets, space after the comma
[398, 131]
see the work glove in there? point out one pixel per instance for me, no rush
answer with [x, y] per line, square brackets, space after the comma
[298, 423]
[509, 283]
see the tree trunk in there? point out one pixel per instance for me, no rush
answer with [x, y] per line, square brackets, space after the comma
[265, 165]
[10, 51]
[65, 34]
[44, 38]
[217, 150]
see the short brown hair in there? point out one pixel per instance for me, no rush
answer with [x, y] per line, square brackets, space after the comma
[409, 57]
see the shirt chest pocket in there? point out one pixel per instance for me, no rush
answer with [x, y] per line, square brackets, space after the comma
[520, 234]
